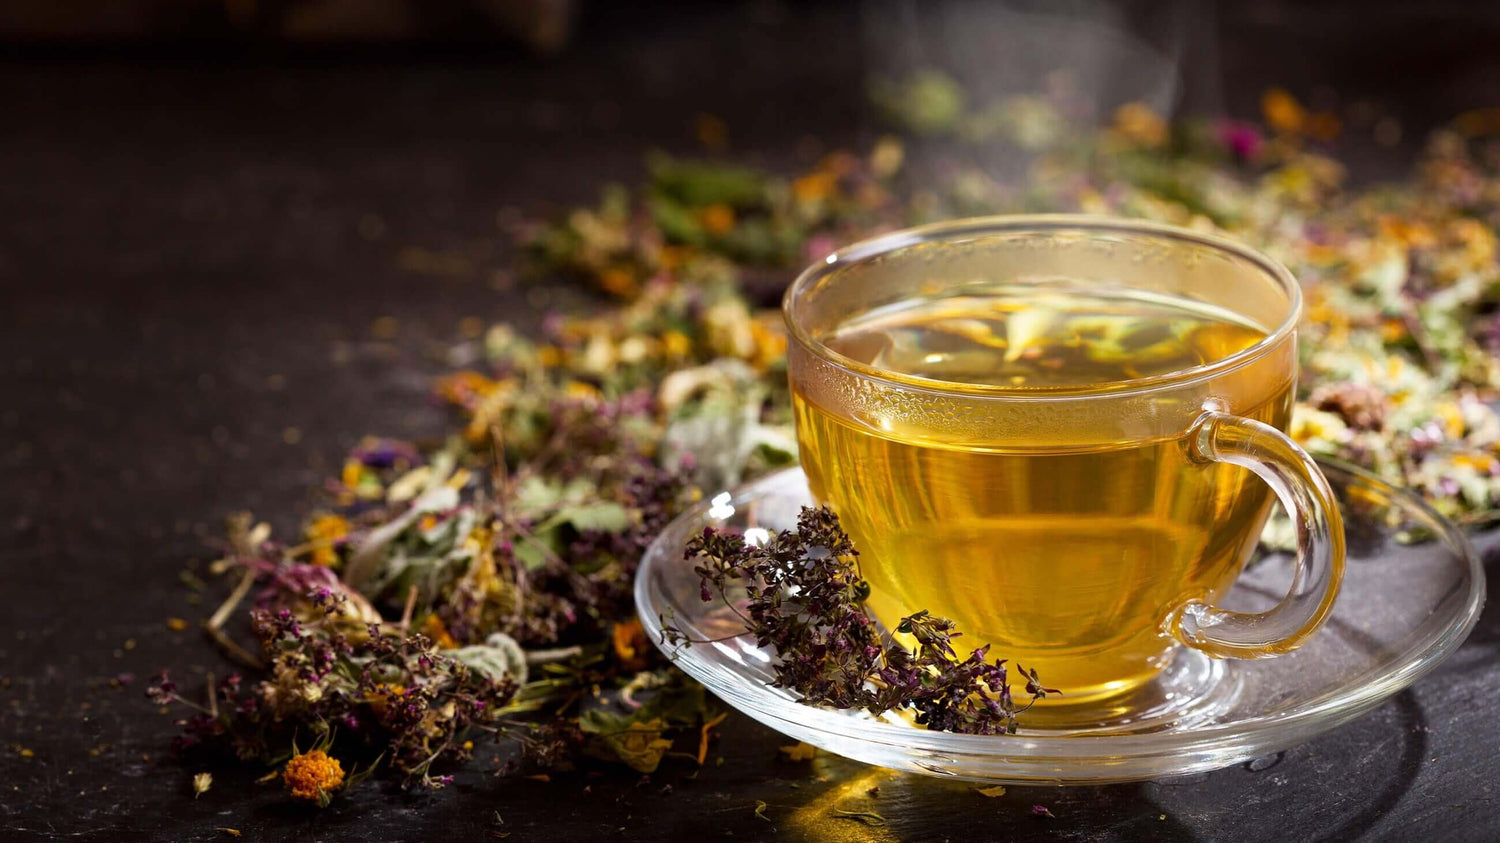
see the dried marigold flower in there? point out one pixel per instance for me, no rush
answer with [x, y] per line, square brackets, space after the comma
[1137, 122]
[718, 219]
[1282, 111]
[324, 533]
[434, 628]
[312, 776]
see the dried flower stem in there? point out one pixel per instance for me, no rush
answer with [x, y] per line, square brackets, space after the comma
[409, 609]
[559, 654]
[214, 626]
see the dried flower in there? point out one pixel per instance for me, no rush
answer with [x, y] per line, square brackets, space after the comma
[325, 533]
[1138, 123]
[805, 600]
[1282, 111]
[313, 776]
[1243, 140]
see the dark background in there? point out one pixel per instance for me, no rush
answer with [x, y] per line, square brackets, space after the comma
[203, 227]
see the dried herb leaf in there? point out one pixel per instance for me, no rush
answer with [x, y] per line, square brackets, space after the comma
[869, 818]
[800, 752]
[638, 743]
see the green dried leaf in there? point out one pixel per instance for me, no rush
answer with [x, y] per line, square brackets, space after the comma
[677, 222]
[680, 702]
[929, 102]
[608, 516]
[529, 555]
[698, 183]
[537, 493]
[499, 656]
[639, 744]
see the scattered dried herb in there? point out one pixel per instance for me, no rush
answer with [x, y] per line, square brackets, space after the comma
[804, 599]
[799, 752]
[869, 818]
[760, 811]
[478, 587]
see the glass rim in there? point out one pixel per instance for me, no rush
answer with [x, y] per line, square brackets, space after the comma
[962, 230]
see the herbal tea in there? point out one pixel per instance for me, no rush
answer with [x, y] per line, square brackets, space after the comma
[1061, 554]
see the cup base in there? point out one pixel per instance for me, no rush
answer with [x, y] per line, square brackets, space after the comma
[1192, 690]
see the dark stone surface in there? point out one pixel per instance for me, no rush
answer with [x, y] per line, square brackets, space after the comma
[193, 248]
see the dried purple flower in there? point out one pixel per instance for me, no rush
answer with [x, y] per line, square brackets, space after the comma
[805, 600]
[416, 702]
[1243, 140]
[386, 453]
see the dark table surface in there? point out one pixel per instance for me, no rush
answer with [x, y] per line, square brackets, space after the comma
[195, 242]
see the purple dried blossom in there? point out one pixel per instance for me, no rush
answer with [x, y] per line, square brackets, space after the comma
[394, 690]
[161, 690]
[1243, 140]
[806, 602]
[386, 453]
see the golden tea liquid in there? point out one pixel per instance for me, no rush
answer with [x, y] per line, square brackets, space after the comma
[1062, 554]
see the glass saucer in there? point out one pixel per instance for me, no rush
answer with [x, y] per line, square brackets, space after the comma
[1412, 590]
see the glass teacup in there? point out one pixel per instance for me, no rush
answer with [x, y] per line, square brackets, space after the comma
[1039, 428]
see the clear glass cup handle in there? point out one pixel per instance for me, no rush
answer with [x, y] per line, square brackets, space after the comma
[1292, 474]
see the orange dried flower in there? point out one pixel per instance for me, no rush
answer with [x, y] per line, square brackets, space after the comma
[717, 219]
[619, 282]
[815, 186]
[466, 388]
[324, 533]
[435, 629]
[1282, 111]
[630, 644]
[1137, 122]
[313, 776]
